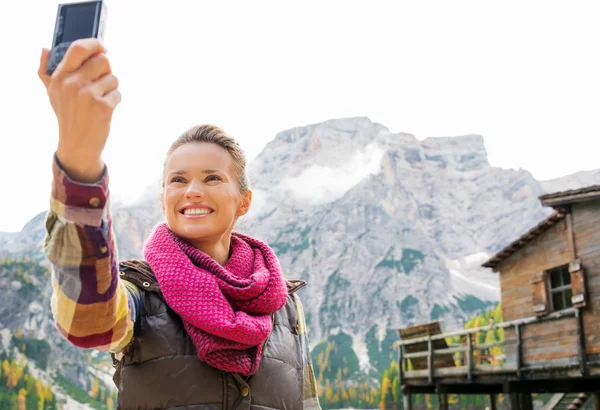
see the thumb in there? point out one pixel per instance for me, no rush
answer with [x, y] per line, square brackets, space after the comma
[42, 73]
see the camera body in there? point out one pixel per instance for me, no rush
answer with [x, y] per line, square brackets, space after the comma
[75, 21]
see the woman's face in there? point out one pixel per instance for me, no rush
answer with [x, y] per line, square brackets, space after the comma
[201, 198]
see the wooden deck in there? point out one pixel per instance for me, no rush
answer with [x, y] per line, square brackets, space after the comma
[491, 368]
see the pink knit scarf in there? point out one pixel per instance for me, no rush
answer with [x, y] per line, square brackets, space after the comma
[225, 309]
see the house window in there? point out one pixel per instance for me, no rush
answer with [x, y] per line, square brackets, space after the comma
[560, 288]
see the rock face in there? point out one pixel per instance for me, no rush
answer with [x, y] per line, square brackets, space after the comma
[387, 230]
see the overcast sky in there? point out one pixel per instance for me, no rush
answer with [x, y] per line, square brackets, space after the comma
[525, 75]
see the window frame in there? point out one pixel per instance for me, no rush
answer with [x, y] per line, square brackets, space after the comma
[561, 289]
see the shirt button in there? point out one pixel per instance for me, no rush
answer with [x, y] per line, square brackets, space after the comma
[94, 202]
[103, 249]
[244, 391]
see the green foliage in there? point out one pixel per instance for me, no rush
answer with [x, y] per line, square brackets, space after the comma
[25, 265]
[381, 353]
[28, 272]
[36, 350]
[20, 390]
[333, 354]
[336, 285]
[92, 398]
[335, 365]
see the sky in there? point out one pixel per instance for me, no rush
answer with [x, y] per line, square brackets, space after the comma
[524, 75]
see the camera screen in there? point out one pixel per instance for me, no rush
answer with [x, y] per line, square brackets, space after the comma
[78, 22]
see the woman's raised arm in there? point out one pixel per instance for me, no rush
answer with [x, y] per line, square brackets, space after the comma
[91, 306]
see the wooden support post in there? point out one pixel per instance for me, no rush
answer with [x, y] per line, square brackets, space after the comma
[514, 401]
[443, 400]
[492, 402]
[571, 233]
[430, 359]
[469, 358]
[400, 364]
[519, 359]
[581, 342]
[407, 401]
[526, 401]
[597, 400]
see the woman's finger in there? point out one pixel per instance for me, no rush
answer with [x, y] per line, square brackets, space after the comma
[104, 85]
[77, 53]
[94, 68]
[113, 98]
[43, 67]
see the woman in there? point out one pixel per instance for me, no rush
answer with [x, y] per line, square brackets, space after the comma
[207, 320]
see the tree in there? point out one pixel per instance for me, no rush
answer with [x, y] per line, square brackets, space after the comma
[21, 401]
[95, 388]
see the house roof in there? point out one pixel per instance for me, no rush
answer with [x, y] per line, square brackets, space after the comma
[572, 196]
[524, 239]
[557, 200]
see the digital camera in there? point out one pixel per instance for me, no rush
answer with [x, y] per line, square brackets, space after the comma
[75, 21]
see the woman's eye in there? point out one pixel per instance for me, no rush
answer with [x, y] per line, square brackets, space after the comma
[177, 179]
[213, 178]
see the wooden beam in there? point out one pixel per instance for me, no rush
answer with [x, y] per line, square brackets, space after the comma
[554, 400]
[581, 343]
[514, 401]
[519, 350]
[430, 360]
[401, 364]
[443, 401]
[492, 402]
[525, 401]
[407, 401]
[569, 199]
[469, 358]
[553, 385]
[416, 355]
[571, 236]
[419, 389]
[470, 388]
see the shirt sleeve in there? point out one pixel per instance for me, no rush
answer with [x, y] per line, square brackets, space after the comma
[310, 392]
[91, 306]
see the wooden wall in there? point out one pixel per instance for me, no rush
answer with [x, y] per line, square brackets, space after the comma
[586, 223]
[555, 339]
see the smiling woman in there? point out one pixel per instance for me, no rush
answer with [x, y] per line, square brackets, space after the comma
[202, 197]
[207, 320]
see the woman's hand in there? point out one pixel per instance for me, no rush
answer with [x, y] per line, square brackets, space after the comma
[84, 93]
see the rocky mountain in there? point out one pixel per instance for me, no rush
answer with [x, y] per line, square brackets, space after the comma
[388, 230]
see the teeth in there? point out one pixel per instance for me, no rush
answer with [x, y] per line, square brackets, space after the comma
[197, 211]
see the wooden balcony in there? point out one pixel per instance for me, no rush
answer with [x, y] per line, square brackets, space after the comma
[434, 362]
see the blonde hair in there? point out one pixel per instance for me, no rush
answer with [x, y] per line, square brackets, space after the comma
[212, 134]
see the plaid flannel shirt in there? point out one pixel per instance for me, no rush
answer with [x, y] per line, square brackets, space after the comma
[92, 306]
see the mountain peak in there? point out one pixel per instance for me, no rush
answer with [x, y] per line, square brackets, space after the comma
[465, 152]
[349, 126]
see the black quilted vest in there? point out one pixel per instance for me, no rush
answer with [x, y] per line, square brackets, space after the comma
[160, 370]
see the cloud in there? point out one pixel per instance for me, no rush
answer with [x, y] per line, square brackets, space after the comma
[320, 184]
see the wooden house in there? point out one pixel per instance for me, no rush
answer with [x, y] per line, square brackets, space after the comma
[550, 292]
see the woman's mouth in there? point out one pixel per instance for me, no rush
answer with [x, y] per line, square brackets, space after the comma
[196, 211]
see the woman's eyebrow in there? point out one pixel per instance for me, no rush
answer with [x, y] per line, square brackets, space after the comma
[206, 171]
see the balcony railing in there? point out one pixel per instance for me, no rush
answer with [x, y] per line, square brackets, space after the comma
[464, 357]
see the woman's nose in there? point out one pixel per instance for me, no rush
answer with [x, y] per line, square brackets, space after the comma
[194, 190]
